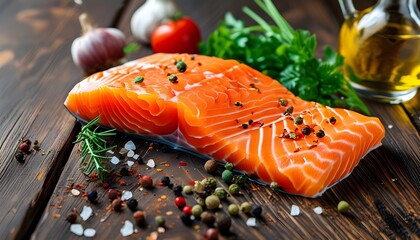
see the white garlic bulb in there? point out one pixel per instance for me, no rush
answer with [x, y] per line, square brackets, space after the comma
[98, 48]
[149, 16]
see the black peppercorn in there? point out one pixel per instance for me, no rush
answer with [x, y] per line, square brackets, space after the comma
[112, 194]
[165, 181]
[223, 222]
[186, 219]
[306, 130]
[124, 171]
[244, 125]
[132, 204]
[140, 160]
[333, 120]
[20, 157]
[72, 217]
[298, 120]
[256, 211]
[289, 110]
[92, 196]
[320, 133]
[177, 190]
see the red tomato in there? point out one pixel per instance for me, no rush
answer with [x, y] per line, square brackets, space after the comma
[177, 36]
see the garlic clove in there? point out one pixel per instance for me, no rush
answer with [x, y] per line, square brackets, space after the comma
[98, 48]
[149, 16]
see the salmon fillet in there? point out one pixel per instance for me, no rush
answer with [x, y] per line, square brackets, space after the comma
[230, 112]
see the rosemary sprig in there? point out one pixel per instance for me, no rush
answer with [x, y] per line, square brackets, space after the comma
[93, 146]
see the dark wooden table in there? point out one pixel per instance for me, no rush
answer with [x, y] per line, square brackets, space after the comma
[37, 72]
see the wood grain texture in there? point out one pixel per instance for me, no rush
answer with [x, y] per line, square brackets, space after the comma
[36, 72]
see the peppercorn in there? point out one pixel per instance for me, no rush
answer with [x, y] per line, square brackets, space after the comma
[320, 133]
[212, 202]
[306, 130]
[234, 189]
[124, 171]
[240, 179]
[173, 78]
[229, 166]
[223, 222]
[196, 210]
[138, 79]
[180, 202]
[289, 110]
[198, 187]
[72, 217]
[220, 193]
[274, 186]
[140, 160]
[333, 120]
[233, 209]
[200, 201]
[298, 120]
[343, 207]
[211, 234]
[238, 104]
[117, 205]
[165, 181]
[283, 102]
[113, 194]
[246, 207]
[177, 190]
[186, 219]
[25, 146]
[146, 181]
[244, 125]
[208, 218]
[256, 211]
[139, 218]
[227, 176]
[92, 196]
[210, 166]
[187, 189]
[187, 210]
[211, 182]
[20, 157]
[132, 204]
[160, 221]
[181, 66]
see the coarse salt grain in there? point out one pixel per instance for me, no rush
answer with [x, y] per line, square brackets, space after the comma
[251, 222]
[130, 163]
[89, 232]
[136, 156]
[86, 213]
[127, 229]
[123, 151]
[151, 163]
[295, 210]
[77, 229]
[130, 153]
[115, 160]
[390, 126]
[318, 210]
[126, 195]
[75, 192]
[130, 145]
[110, 152]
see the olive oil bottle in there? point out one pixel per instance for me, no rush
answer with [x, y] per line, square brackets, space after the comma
[381, 49]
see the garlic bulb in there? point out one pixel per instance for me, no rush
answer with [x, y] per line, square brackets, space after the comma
[150, 15]
[98, 48]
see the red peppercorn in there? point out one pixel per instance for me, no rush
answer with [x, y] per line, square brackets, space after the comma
[180, 202]
[187, 210]
[112, 194]
[146, 181]
[211, 234]
[105, 185]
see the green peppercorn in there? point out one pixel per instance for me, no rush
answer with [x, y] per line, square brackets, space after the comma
[139, 79]
[283, 102]
[187, 189]
[274, 186]
[220, 193]
[233, 209]
[212, 202]
[234, 189]
[200, 201]
[210, 166]
[227, 176]
[298, 120]
[343, 206]
[181, 66]
[198, 186]
[197, 210]
[211, 182]
[240, 179]
[246, 207]
[160, 221]
[173, 78]
[229, 166]
[289, 110]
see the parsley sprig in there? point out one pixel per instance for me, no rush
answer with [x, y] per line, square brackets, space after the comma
[93, 146]
[284, 54]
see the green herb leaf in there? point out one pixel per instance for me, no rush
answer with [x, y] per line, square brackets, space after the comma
[139, 79]
[284, 54]
[131, 47]
[93, 146]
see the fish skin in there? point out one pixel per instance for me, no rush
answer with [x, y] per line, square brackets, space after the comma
[201, 113]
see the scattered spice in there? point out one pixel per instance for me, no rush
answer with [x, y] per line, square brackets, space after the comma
[181, 66]
[86, 213]
[220, 193]
[139, 218]
[256, 211]
[187, 210]
[113, 194]
[117, 205]
[173, 78]
[306, 130]
[92, 196]
[289, 110]
[139, 79]
[127, 229]
[20, 157]
[343, 207]
[295, 211]
[251, 222]
[244, 125]
[177, 190]
[333, 120]
[238, 104]
[227, 176]
[132, 204]
[211, 234]
[298, 120]
[275, 186]
[187, 189]
[234, 189]
[223, 222]
[186, 219]
[76, 229]
[252, 85]
[246, 207]
[180, 202]
[197, 210]
[320, 133]
[212, 202]
[165, 180]
[182, 163]
[208, 218]
[146, 181]
[72, 217]
[318, 210]
[160, 221]
[283, 102]
[233, 209]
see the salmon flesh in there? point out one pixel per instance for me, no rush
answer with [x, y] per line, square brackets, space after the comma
[230, 112]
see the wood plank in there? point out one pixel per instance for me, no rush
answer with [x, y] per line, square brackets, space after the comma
[387, 178]
[36, 73]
